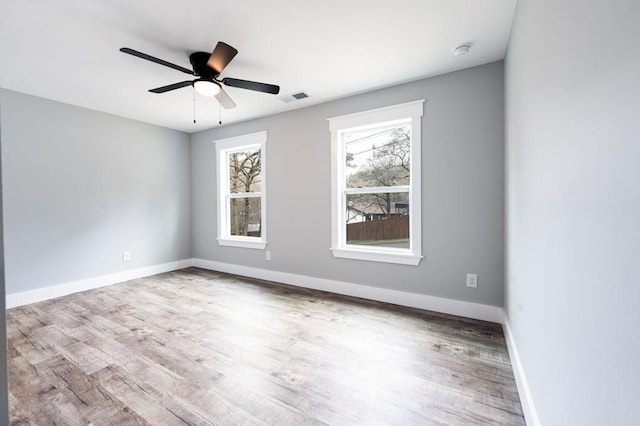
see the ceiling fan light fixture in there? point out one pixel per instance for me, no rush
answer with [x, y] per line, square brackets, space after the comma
[206, 87]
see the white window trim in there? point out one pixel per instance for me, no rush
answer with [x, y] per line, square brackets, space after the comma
[339, 248]
[223, 147]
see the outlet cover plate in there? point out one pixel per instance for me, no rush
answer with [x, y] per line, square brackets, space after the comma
[472, 280]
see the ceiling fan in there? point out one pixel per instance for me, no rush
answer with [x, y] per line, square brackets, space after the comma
[207, 67]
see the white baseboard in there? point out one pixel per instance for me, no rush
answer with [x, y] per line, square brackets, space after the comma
[413, 300]
[33, 296]
[420, 301]
[528, 407]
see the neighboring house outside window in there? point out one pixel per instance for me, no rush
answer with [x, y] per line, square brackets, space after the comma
[242, 191]
[376, 206]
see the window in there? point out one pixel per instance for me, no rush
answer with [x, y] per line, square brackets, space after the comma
[375, 181]
[242, 191]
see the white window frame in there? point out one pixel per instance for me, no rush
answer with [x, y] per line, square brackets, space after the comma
[223, 148]
[345, 123]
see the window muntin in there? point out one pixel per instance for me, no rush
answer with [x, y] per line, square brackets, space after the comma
[376, 185]
[241, 191]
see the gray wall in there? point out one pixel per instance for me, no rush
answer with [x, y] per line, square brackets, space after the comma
[463, 189]
[4, 392]
[573, 156]
[81, 186]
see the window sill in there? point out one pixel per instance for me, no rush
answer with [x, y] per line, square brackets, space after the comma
[377, 256]
[248, 242]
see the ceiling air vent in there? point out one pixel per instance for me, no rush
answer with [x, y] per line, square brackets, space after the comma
[293, 97]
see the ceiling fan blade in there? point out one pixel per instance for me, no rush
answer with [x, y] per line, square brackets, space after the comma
[252, 85]
[221, 56]
[156, 60]
[173, 86]
[225, 100]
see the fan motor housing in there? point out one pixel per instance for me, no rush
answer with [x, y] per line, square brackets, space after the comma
[199, 63]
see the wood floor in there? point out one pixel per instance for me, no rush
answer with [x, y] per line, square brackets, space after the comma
[198, 347]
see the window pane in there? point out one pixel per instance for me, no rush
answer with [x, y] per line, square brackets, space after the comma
[378, 157]
[245, 216]
[244, 171]
[378, 219]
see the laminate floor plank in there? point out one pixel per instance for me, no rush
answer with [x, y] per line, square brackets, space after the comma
[196, 347]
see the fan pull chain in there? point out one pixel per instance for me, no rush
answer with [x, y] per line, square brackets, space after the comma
[219, 114]
[194, 104]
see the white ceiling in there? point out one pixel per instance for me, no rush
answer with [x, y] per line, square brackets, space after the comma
[67, 50]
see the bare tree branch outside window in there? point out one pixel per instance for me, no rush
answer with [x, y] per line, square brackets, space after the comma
[244, 177]
[385, 164]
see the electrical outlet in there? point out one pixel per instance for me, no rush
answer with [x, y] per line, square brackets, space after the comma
[126, 256]
[472, 280]
[267, 255]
